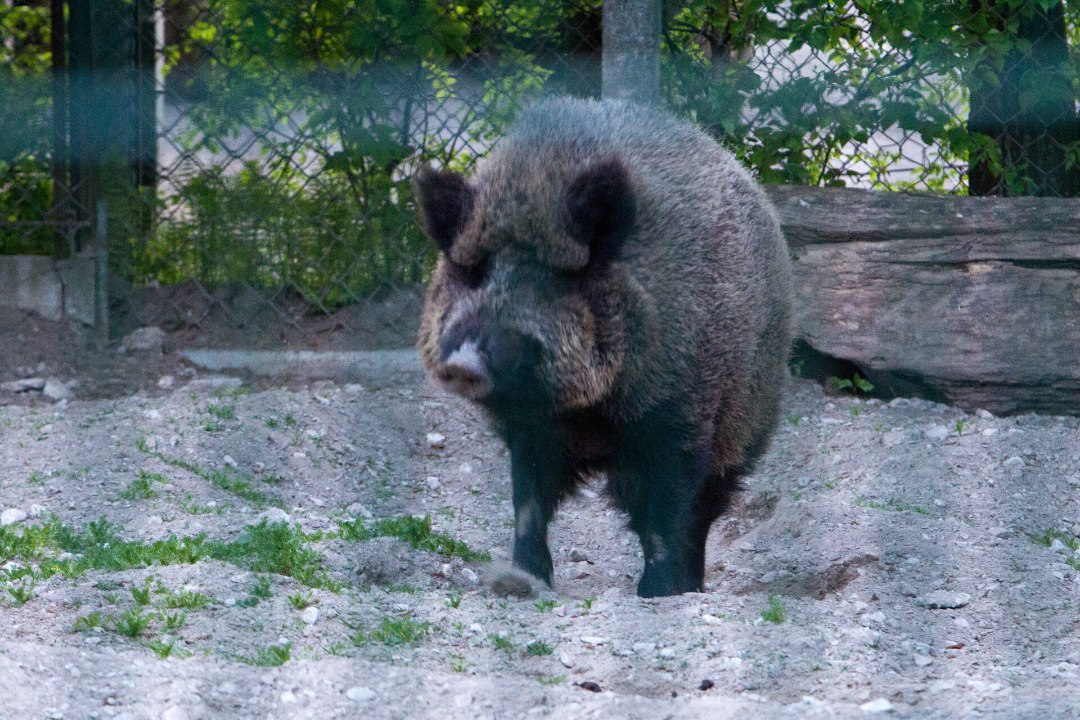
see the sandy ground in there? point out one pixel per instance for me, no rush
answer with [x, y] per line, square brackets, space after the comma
[898, 558]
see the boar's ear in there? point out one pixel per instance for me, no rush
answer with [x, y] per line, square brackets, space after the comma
[444, 200]
[600, 209]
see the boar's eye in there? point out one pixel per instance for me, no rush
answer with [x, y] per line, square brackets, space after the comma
[600, 210]
[472, 276]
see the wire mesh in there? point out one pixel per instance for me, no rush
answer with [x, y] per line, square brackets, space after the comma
[264, 148]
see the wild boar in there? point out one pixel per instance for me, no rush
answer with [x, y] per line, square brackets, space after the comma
[613, 289]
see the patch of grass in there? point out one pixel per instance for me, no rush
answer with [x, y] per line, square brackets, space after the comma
[502, 642]
[23, 592]
[1047, 539]
[404, 588]
[37, 477]
[141, 596]
[416, 532]
[776, 612]
[551, 680]
[229, 480]
[453, 600]
[187, 600]
[142, 487]
[894, 505]
[162, 648]
[281, 549]
[400, 631]
[174, 621]
[86, 623]
[586, 604]
[856, 384]
[272, 656]
[132, 623]
[301, 601]
[538, 648]
[261, 589]
[544, 606]
[222, 412]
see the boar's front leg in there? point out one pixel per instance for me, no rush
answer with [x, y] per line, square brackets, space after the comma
[659, 481]
[539, 470]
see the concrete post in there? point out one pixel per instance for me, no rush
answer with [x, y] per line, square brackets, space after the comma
[631, 59]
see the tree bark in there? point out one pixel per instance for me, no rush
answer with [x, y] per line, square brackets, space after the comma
[979, 298]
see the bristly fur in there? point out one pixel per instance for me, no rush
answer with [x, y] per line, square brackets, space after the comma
[627, 288]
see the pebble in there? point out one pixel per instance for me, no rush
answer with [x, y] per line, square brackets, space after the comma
[288, 697]
[564, 658]
[360, 694]
[593, 640]
[1015, 462]
[145, 338]
[310, 615]
[228, 460]
[56, 390]
[165, 382]
[174, 712]
[433, 482]
[943, 600]
[879, 705]
[436, 440]
[644, 647]
[936, 432]
[470, 575]
[578, 556]
[273, 515]
[359, 510]
[12, 516]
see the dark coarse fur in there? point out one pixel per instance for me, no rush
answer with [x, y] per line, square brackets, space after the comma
[614, 290]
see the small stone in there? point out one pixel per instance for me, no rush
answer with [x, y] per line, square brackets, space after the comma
[923, 660]
[644, 647]
[1015, 462]
[879, 705]
[470, 575]
[984, 414]
[165, 382]
[359, 510]
[943, 600]
[288, 697]
[228, 460]
[12, 516]
[274, 515]
[56, 390]
[578, 556]
[989, 431]
[564, 658]
[1060, 547]
[144, 339]
[667, 653]
[174, 712]
[433, 482]
[310, 615]
[893, 438]
[360, 694]
[436, 440]
[36, 511]
[936, 432]
[593, 640]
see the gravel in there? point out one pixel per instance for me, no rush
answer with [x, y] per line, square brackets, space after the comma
[902, 559]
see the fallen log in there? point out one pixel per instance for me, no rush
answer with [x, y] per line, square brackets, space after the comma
[977, 298]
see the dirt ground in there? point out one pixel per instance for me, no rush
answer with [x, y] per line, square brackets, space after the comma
[898, 558]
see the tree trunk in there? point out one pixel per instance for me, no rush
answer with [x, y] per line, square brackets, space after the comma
[631, 52]
[976, 298]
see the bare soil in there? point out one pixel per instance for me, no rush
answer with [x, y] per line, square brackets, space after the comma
[899, 558]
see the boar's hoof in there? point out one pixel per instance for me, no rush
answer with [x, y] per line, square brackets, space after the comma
[510, 581]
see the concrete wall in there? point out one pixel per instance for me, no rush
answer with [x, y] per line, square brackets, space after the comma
[55, 289]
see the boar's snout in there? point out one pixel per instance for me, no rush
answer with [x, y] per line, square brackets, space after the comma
[464, 371]
[486, 361]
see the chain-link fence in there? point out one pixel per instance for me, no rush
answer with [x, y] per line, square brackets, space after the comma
[263, 148]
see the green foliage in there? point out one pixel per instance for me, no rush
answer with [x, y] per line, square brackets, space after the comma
[132, 623]
[776, 612]
[538, 648]
[272, 656]
[415, 531]
[400, 631]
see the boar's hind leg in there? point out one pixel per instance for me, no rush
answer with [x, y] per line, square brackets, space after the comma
[540, 478]
[660, 483]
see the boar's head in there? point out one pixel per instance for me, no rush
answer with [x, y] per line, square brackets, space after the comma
[528, 305]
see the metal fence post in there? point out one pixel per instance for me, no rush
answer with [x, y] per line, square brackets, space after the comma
[101, 275]
[631, 50]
